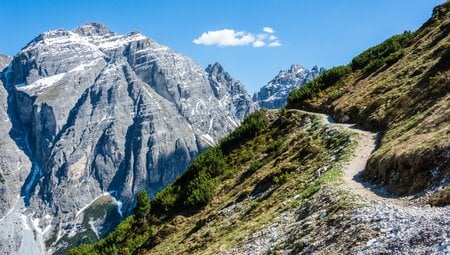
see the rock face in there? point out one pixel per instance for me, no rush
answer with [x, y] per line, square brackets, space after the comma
[14, 164]
[231, 93]
[104, 114]
[274, 94]
[4, 61]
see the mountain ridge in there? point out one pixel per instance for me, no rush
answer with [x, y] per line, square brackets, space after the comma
[100, 116]
[280, 182]
[273, 95]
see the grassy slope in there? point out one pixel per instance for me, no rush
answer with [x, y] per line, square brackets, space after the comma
[408, 101]
[276, 171]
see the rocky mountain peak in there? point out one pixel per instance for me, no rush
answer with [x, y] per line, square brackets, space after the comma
[214, 68]
[104, 115]
[230, 92]
[296, 69]
[4, 61]
[93, 29]
[273, 94]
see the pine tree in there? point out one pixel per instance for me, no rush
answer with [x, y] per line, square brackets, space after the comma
[142, 206]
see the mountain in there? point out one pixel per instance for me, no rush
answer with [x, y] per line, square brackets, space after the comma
[231, 93]
[92, 117]
[294, 181]
[400, 89]
[4, 61]
[273, 95]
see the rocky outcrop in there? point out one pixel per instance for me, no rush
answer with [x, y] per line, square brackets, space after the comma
[231, 93]
[274, 94]
[104, 113]
[4, 61]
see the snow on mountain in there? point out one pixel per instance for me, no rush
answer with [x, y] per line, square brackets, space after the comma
[95, 113]
[274, 94]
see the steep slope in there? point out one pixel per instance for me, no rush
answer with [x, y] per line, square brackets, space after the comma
[273, 95]
[278, 190]
[103, 116]
[15, 167]
[402, 89]
[289, 181]
[230, 92]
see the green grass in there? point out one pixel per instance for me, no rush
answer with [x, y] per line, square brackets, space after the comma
[261, 168]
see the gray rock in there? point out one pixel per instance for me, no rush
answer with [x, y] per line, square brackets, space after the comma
[274, 94]
[231, 93]
[98, 112]
[4, 61]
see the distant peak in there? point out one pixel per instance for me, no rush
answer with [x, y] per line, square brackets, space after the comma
[216, 67]
[2, 55]
[296, 68]
[92, 28]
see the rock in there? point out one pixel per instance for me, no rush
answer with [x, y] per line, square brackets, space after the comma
[98, 112]
[274, 94]
[230, 92]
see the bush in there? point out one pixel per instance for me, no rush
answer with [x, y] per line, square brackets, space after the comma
[166, 198]
[256, 165]
[211, 161]
[250, 127]
[275, 145]
[142, 206]
[387, 52]
[325, 80]
[201, 190]
[200, 179]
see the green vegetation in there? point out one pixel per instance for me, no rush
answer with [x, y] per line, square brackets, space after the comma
[142, 206]
[388, 52]
[249, 128]
[399, 88]
[325, 80]
[195, 188]
[250, 167]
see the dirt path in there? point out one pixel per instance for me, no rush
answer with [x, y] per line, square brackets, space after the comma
[353, 169]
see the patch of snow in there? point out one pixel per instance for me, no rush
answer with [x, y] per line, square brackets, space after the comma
[208, 139]
[233, 122]
[120, 40]
[91, 223]
[41, 84]
[83, 66]
[90, 203]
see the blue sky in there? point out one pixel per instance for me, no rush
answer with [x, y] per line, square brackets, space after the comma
[314, 32]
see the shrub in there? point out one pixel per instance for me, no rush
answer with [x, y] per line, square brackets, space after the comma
[281, 178]
[387, 52]
[142, 206]
[166, 198]
[256, 165]
[200, 190]
[325, 80]
[249, 129]
[275, 145]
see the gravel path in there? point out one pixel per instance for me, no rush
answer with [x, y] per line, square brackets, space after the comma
[367, 143]
[383, 224]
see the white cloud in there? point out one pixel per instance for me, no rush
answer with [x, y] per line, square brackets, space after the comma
[268, 30]
[258, 44]
[225, 37]
[275, 44]
[231, 37]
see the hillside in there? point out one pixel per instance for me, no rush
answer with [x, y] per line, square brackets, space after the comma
[290, 181]
[280, 189]
[401, 89]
